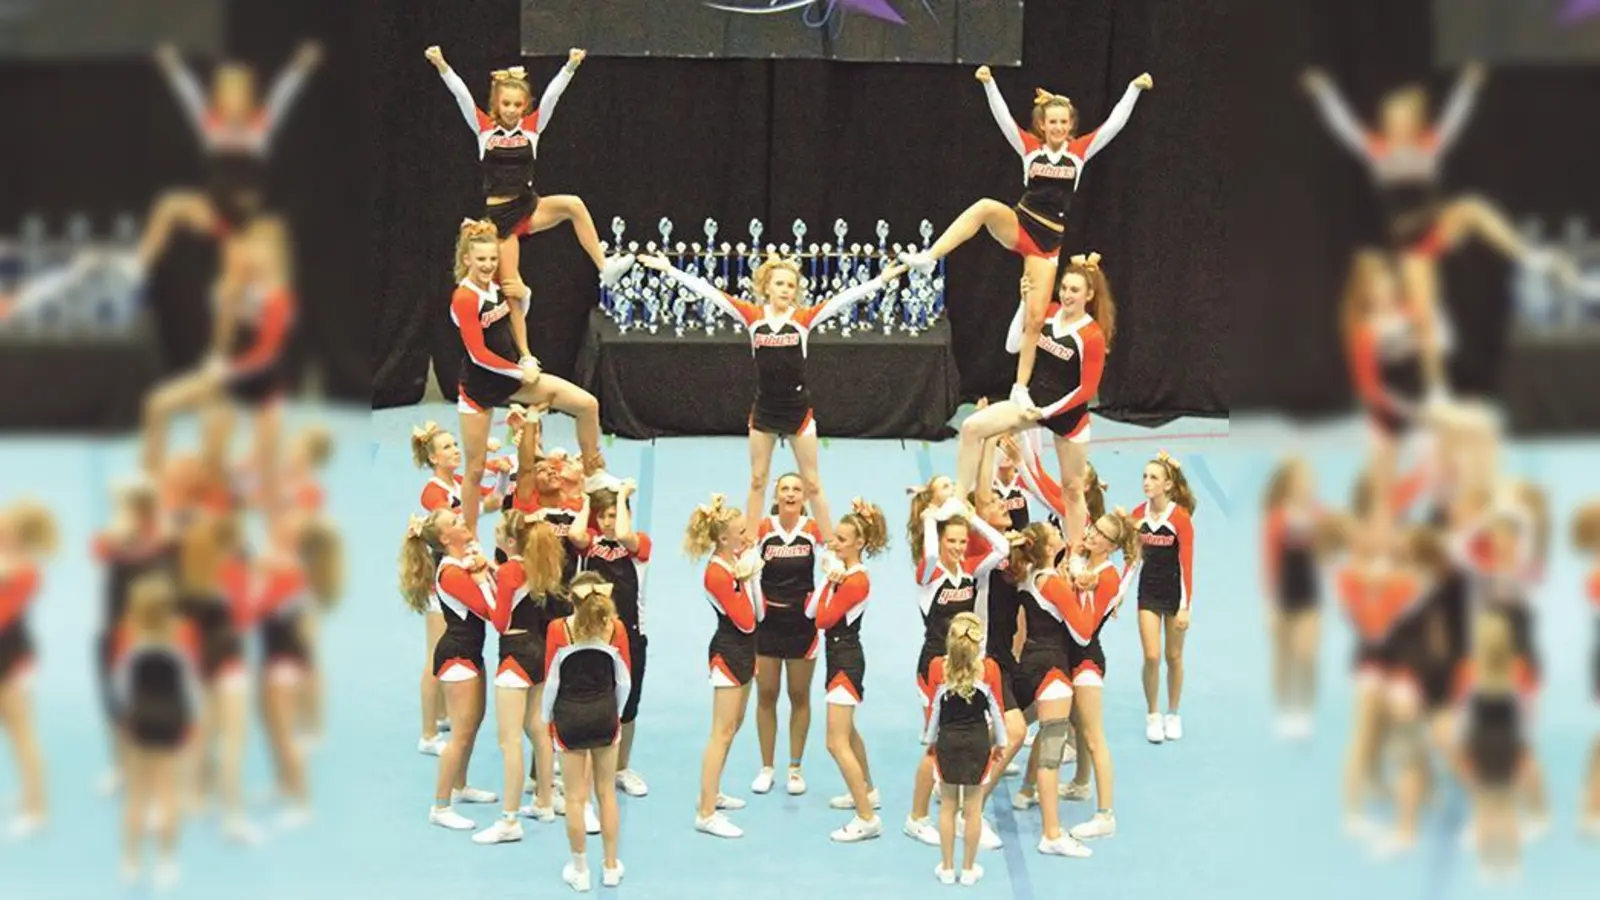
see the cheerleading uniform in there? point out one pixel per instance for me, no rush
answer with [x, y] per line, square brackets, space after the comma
[1289, 551]
[1386, 364]
[488, 377]
[17, 590]
[257, 371]
[1494, 724]
[998, 606]
[1379, 602]
[587, 686]
[156, 687]
[273, 594]
[1085, 618]
[625, 569]
[1013, 496]
[438, 494]
[467, 606]
[787, 584]
[778, 344]
[1050, 177]
[1071, 361]
[236, 152]
[1406, 175]
[1166, 565]
[564, 519]
[521, 620]
[943, 594]
[219, 644]
[507, 155]
[838, 609]
[125, 563]
[732, 654]
[962, 733]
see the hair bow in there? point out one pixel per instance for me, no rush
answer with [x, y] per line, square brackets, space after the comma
[515, 73]
[1042, 97]
[425, 431]
[1164, 457]
[861, 507]
[915, 489]
[1089, 261]
[414, 526]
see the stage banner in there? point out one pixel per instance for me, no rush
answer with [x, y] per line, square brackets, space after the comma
[1516, 31]
[965, 32]
[60, 30]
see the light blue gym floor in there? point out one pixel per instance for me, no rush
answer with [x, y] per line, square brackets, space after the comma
[1226, 813]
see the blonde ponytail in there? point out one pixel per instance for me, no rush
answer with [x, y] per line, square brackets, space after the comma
[963, 660]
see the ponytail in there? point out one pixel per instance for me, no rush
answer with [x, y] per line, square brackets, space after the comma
[707, 524]
[869, 522]
[417, 566]
[963, 660]
[422, 438]
[473, 231]
[323, 552]
[593, 611]
[544, 560]
[1029, 551]
[1181, 493]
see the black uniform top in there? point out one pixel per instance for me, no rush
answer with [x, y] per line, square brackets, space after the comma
[507, 154]
[625, 570]
[1166, 566]
[789, 559]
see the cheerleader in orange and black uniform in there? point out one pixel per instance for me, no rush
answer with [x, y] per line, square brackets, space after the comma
[27, 535]
[1166, 588]
[1586, 539]
[719, 531]
[1293, 588]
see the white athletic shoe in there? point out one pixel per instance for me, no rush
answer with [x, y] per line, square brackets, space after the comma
[1071, 790]
[920, 262]
[503, 831]
[1173, 726]
[130, 874]
[109, 784]
[763, 782]
[591, 821]
[473, 795]
[1066, 845]
[945, 876]
[1014, 767]
[1027, 798]
[1102, 825]
[612, 270]
[988, 838]
[544, 814]
[610, 877]
[970, 876]
[726, 802]
[529, 786]
[797, 782]
[717, 825]
[294, 817]
[1534, 827]
[432, 746]
[1153, 732]
[165, 877]
[237, 829]
[24, 826]
[601, 481]
[922, 830]
[1358, 826]
[1392, 844]
[445, 817]
[858, 829]
[629, 782]
[845, 801]
[578, 881]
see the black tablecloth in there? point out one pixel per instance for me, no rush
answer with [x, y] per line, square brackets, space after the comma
[867, 385]
[77, 382]
[1552, 381]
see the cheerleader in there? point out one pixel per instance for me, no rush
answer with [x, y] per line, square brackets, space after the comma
[718, 531]
[494, 330]
[157, 699]
[508, 144]
[527, 597]
[946, 585]
[966, 737]
[1052, 162]
[999, 599]
[1405, 156]
[465, 588]
[1495, 696]
[236, 135]
[838, 608]
[619, 554]
[27, 536]
[586, 670]
[780, 331]
[1075, 343]
[1166, 588]
[1292, 584]
[1586, 538]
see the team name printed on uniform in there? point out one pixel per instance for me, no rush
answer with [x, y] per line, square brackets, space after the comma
[512, 141]
[1067, 171]
[1157, 540]
[608, 552]
[1050, 345]
[1017, 502]
[961, 594]
[493, 314]
[786, 551]
[786, 339]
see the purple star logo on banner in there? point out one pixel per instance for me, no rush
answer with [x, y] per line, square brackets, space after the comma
[880, 9]
[1578, 10]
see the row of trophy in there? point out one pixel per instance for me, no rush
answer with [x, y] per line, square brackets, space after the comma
[1541, 302]
[70, 283]
[646, 299]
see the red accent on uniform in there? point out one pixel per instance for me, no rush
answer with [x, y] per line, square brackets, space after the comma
[16, 593]
[277, 311]
[464, 307]
[836, 601]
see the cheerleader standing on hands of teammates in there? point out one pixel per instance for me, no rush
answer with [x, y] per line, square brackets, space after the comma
[839, 607]
[586, 673]
[1052, 162]
[465, 587]
[719, 531]
[27, 536]
[1166, 588]
[966, 736]
[508, 145]
[780, 331]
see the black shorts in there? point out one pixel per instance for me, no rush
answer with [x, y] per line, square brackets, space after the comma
[1417, 230]
[1042, 668]
[1069, 423]
[584, 723]
[221, 648]
[16, 650]
[638, 647]
[1008, 675]
[1165, 606]
[847, 670]
[480, 390]
[282, 642]
[521, 660]
[1036, 239]
[235, 206]
[512, 218]
[1494, 755]
[786, 419]
[259, 387]
[731, 658]
[786, 632]
[925, 658]
[104, 644]
[1087, 665]
[455, 657]
[158, 723]
[961, 755]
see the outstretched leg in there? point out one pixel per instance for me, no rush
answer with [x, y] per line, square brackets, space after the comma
[995, 419]
[993, 216]
[174, 209]
[563, 396]
[552, 211]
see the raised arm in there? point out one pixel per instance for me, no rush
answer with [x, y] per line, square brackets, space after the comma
[289, 83]
[1336, 112]
[999, 547]
[191, 98]
[849, 297]
[1100, 137]
[1002, 114]
[929, 564]
[1459, 107]
[553, 91]
[705, 290]
[458, 89]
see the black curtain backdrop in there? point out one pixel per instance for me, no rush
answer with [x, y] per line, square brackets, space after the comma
[1306, 202]
[105, 136]
[782, 140]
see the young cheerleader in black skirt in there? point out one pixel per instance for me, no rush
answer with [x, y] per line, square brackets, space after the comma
[1289, 551]
[966, 736]
[1494, 694]
[27, 535]
[586, 685]
[1166, 588]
